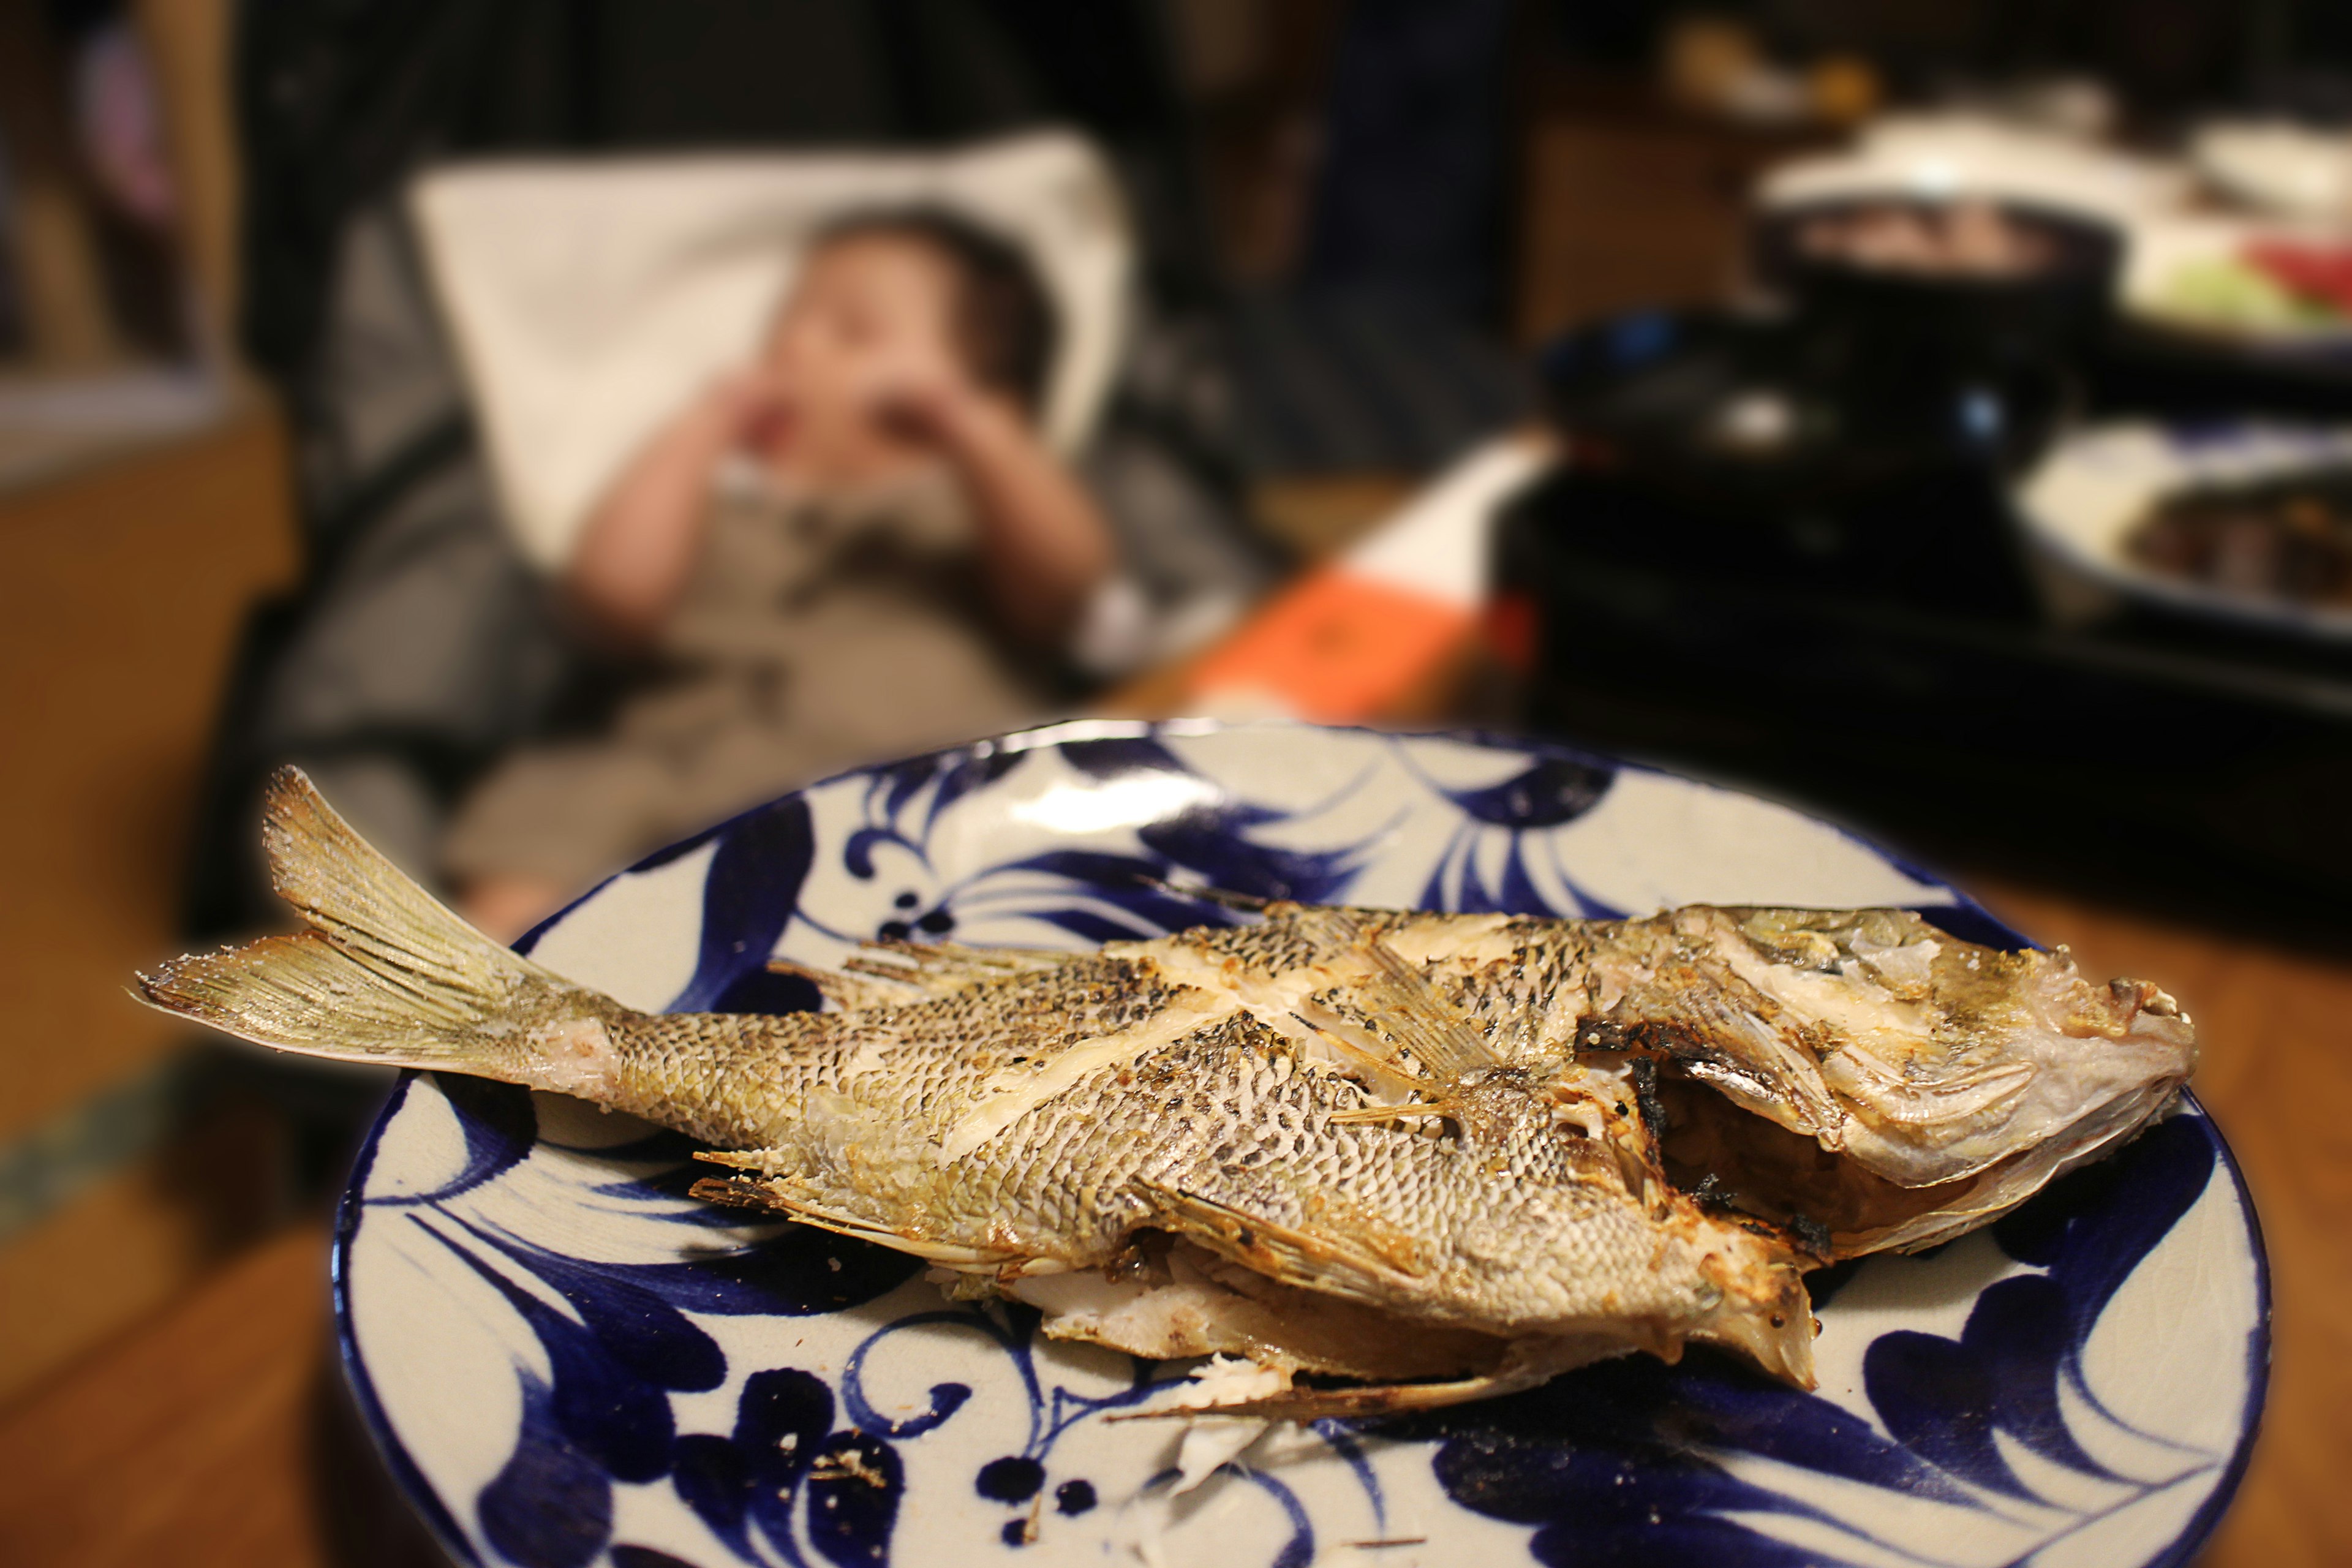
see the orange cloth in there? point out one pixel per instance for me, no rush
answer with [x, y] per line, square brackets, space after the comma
[1336, 647]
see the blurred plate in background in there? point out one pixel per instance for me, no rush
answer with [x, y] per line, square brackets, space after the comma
[2197, 275]
[1941, 157]
[2082, 502]
[2276, 166]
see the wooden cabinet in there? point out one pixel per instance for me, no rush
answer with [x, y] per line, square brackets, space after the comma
[122, 588]
[1626, 204]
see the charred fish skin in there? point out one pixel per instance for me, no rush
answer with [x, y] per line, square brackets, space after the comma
[1503, 1224]
[1492, 1126]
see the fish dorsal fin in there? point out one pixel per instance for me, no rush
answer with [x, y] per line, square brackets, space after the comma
[1442, 1038]
[850, 992]
[944, 968]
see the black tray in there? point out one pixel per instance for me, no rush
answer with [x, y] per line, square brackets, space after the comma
[2206, 772]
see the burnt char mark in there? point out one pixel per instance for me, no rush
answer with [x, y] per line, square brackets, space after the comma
[1644, 1073]
[1602, 1034]
[730, 1192]
[1711, 1194]
[1811, 1232]
[1671, 1043]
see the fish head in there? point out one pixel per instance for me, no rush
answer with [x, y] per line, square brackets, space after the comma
[1924, 1076]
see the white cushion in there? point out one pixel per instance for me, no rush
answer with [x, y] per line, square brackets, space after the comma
[588, 298]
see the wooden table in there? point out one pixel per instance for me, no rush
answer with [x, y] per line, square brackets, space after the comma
[200, 1439]
[189, 1440]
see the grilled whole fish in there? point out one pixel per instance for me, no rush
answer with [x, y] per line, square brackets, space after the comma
[1446, 1154]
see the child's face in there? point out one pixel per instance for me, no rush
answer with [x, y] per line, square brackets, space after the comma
[870, 315]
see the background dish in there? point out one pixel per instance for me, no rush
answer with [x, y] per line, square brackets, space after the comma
[1939, 157]
[2163, 250]
[2091, 489]
[568, 1362]
[2276, 165]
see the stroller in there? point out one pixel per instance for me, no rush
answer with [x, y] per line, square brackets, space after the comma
[420, 646]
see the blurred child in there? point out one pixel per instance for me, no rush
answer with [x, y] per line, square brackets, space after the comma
[857, 547]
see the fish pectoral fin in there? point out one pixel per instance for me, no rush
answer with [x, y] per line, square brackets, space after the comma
[1442, 1040]
[1329, 1265]
[1371, 1399]
[945, 968]
[1528, 1364]
[1524, 1367]
[772, 1193]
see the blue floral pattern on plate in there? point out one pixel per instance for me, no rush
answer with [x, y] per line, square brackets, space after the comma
[570, 1362]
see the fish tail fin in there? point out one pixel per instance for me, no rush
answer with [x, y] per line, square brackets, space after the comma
[384, 973]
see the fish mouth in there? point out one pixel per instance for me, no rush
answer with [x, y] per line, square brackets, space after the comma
[1868, 1082]
[1729, 1160]
[1725, 1158]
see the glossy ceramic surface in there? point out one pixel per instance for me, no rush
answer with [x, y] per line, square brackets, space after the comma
[570, 1362]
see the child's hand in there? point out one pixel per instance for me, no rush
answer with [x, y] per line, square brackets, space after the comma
[941, 409]
[924, 410]
[751, 408]
[920, 395]
[634, 554]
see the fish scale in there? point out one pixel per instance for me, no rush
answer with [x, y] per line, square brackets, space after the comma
[1505, 1232]
[1537, 1141]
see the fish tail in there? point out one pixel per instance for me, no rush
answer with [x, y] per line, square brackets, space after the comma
[384, 973]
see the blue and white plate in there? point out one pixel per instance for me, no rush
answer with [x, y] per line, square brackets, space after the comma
[570, 1362]
[2081, 502]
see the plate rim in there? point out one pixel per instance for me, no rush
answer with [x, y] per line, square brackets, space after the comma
[350, 1205]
